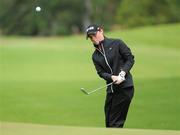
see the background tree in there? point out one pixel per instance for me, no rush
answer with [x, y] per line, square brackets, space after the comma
[147, 12]
[65, 17]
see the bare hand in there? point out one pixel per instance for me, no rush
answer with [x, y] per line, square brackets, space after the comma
[117, 79]
[114, 78]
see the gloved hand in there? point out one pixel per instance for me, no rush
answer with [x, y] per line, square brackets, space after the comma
[120, 77]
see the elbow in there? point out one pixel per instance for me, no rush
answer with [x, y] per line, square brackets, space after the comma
[132, 60]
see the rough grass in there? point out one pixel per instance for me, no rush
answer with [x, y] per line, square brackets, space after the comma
[32, 129]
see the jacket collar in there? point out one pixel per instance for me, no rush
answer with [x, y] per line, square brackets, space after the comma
[102, 42]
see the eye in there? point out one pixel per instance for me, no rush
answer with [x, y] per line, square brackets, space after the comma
[91, 37]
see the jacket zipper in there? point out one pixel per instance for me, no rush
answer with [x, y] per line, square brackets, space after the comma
[104, 55]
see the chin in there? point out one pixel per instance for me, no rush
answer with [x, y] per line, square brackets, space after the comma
[96, 43]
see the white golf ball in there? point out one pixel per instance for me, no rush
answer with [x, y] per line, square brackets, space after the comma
[38, 9]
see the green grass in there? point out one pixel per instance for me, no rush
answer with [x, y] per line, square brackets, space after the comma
[40, 79]
[32, 129]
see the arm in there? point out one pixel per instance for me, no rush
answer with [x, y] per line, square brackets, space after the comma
[127, 56]
[101, 72]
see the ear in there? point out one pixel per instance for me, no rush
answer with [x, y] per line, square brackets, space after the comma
[101, 30]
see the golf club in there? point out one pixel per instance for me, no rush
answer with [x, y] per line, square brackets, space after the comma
[92, 91]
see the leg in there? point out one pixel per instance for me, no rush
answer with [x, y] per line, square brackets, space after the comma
[117, 106]
[119, 113]
[107, 108]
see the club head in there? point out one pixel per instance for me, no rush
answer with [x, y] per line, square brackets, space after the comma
[83, 90]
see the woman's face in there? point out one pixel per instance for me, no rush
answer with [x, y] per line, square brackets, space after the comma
[98, 37]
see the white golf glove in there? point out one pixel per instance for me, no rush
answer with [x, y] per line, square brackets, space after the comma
[121, 77]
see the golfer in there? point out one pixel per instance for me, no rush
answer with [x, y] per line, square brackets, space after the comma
[113, 61]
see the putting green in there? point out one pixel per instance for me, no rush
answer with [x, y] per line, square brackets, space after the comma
[35, 129]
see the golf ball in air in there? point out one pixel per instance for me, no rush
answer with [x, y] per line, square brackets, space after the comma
[38, 9]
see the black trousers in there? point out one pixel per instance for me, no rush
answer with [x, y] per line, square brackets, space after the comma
[116, 107]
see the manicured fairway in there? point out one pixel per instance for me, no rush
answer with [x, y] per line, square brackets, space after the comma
[40, 80]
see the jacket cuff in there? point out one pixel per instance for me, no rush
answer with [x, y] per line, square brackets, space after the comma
[109, 77]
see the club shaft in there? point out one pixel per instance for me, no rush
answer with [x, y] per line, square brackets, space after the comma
[100, 88]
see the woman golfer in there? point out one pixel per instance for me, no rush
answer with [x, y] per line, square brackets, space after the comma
[113, 61]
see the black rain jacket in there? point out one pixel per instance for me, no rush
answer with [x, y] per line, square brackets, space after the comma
[113, 57]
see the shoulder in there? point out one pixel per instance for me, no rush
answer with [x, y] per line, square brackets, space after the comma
[94, 54]
[111, 39]
[114, 41]
[121, 43]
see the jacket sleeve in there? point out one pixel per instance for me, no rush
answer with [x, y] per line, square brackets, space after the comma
[101, 72]
[127, 56]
